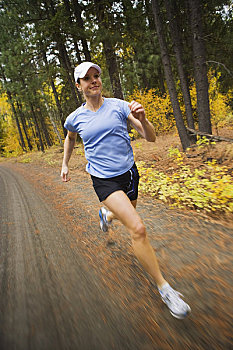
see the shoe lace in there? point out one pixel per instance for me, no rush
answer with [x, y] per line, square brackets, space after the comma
[173, 296]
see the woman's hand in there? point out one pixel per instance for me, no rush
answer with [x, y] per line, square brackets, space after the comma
[137, 111]
[139, 122]
[64, 173]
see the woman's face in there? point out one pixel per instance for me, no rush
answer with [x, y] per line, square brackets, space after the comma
[91, 84]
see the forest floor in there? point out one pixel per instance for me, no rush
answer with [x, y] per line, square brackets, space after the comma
[155, 154]
[194, 250]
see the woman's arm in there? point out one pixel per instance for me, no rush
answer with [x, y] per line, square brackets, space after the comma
[138, 120]
[68, 149]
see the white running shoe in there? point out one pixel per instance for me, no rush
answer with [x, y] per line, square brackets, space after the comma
[178, 308]
[104, 223]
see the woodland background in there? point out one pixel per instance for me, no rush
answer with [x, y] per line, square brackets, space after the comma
[175, 57]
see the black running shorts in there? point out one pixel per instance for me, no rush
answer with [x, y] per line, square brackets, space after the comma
[127, 182]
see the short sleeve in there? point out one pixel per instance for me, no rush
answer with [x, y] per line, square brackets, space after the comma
[125, 108]
[68, 125]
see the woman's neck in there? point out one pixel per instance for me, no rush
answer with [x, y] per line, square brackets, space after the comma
[94, 103]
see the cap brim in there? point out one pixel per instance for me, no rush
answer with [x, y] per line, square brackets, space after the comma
[82, 75]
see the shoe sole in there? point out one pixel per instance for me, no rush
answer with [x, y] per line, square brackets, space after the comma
[181, 317]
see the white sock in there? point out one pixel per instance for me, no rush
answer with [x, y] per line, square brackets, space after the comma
[164, 287]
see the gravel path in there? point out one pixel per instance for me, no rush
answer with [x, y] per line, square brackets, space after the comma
[66, 285]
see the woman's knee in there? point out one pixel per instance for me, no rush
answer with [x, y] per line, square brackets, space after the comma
[139, 232]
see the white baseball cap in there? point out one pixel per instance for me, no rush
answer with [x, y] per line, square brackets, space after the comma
[81, 70]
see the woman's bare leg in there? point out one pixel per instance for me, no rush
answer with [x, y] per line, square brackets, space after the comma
[124, 210]
[111, 216]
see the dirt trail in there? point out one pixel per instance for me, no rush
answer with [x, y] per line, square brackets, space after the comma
[65, 285]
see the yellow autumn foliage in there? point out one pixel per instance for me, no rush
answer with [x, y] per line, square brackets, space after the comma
[221, 114]
[207, 189]
[11, 144]
[220, 111]
[9, 140]
[158, 109]
[5, 107]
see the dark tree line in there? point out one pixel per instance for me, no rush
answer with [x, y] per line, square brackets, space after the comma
[139, 44]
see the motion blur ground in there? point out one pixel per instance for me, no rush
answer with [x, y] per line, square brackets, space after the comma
[196, 256]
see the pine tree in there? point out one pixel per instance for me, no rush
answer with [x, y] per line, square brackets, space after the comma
[200, 68]
[172, 14]
[185, 141]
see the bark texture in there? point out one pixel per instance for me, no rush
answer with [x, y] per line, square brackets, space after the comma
[200, 68]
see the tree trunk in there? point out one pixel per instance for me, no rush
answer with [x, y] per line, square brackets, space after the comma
[64, 58]
[68, 10]
[59, 108]
[45, 129]
[65, 63]
[185, 141]
[21, 139]
[52, 119]
[77, 12]
[37, 127]
[22, 117]
[138, 59]
[200, 68]
[30, 103]
[9, 96]
[151, 22]
[113, 69]
[177, 46]
[161, 79]
[61, 114]
[102, 17]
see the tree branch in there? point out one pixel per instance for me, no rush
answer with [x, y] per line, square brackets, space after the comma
[213, 137]
[221, 64]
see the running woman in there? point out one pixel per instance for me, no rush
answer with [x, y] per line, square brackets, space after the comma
[102, 125]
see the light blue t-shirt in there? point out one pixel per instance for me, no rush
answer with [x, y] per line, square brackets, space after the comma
[105, 137]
